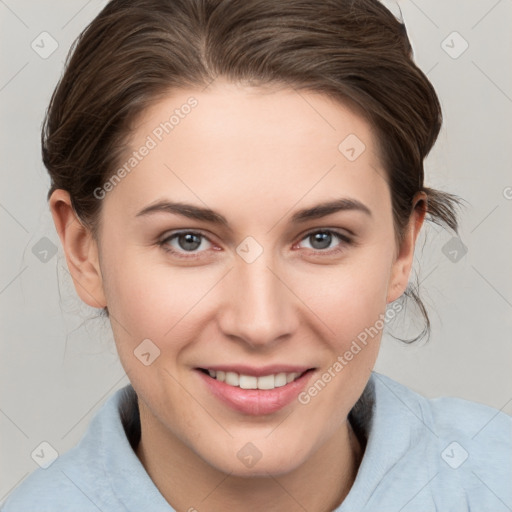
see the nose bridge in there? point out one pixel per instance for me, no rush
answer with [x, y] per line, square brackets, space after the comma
[259, 304]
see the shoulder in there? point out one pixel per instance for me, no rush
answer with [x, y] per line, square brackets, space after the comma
[450, 416]
[80, 478]
[447, 413]
[464, 448]
[58, 487]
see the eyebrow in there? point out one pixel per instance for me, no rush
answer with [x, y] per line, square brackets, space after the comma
[207, 215]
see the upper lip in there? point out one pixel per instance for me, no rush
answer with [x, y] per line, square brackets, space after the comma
[258, 371]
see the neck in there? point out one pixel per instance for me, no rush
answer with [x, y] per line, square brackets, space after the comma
[186, 481]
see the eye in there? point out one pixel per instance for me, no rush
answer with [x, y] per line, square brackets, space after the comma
[190, 241]
[322, 239]
[186, 242]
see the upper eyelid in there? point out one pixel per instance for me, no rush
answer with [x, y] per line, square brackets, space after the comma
[172, 234]
[335, 231]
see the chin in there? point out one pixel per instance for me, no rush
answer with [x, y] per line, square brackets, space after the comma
[243, 466]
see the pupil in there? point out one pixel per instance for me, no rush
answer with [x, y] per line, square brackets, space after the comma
[324, 239]
[192, 241]
[189, 239]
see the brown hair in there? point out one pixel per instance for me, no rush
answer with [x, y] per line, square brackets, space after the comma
[136, 51]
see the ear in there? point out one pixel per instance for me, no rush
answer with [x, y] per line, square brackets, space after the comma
[80, 248]
[402, 265]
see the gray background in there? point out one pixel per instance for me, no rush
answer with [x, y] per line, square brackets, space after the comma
[58, 365]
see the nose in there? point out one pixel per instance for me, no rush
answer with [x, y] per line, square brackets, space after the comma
[259, 306]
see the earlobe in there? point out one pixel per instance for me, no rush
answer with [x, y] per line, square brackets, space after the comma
[401, 269]
[80, 248]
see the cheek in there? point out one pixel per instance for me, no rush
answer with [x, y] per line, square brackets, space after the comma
[141, 302]
[149, 299]
[349, 297]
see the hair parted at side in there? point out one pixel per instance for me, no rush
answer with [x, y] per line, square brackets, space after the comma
[137, 51]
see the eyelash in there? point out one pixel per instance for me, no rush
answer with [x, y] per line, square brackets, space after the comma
[164, 244]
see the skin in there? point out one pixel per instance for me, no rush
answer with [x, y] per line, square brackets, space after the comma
[256, 156]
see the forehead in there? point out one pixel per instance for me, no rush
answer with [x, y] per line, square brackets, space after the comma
[262, 144]
[269, 115]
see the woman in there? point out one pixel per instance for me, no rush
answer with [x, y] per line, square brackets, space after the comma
[239, 187]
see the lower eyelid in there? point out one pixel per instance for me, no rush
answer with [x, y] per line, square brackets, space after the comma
[164, 243]
[344, 239]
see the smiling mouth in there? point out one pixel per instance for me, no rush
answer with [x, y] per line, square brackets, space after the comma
[265, 382]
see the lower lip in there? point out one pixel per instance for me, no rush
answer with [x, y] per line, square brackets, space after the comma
[256, 401]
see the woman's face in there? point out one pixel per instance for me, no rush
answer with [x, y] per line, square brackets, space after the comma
[257, 288]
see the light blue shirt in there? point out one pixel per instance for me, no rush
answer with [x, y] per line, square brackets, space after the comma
[445, 454]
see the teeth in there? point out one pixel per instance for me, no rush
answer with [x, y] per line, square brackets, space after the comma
[248, 382]
[280, 380]
[290, 377]
[251, 382]
[232, 378]
[266, 382]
